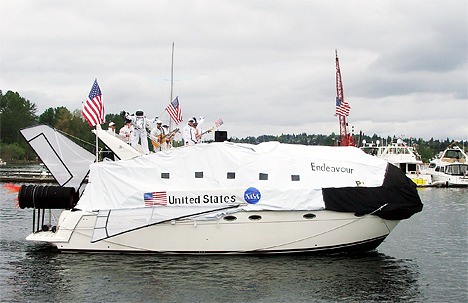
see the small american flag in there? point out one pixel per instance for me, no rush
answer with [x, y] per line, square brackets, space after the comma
[155, 198]
[174, 110]
[342, 107]
[219, 122]
[93, 108]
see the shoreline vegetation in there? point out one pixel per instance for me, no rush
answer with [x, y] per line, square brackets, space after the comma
[17, 113]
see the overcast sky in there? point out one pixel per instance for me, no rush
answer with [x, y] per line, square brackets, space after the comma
[264, 67]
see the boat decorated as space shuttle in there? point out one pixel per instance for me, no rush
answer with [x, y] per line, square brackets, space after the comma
[216, 198]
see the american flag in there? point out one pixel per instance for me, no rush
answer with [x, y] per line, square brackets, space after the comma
[174, 110]
[155, 198]
[219, 122]
[93, 107]
[342, 107]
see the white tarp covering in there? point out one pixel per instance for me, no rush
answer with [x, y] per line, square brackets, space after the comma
[269, 176]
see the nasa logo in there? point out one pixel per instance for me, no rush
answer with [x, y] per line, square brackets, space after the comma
[252, 195]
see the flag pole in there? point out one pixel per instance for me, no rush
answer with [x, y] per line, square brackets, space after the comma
[97, 143]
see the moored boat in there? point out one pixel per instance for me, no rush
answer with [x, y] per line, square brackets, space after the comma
[402, 156]
[224, 198]
[450, 169]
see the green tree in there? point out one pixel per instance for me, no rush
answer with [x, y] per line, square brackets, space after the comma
[15, 113]
[47, 117]
[12, 152]
[63, 117]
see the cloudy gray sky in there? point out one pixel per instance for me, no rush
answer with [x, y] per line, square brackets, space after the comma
[264, 67]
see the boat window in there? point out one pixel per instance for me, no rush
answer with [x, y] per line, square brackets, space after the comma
[432, 165]
[463, 169]
[230, 218]
[411, 167]
[456, 170]
[262, 176]
[448, 170]
[255, 217]
[309, 216]
[453, 154]
[295, 178]
[164, 175]
[198, 174]
[231, 175]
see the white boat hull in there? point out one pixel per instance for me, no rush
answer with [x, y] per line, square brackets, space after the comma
[444, 180]
[265, 232]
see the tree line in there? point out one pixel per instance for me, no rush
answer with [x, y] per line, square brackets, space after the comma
[17, 113]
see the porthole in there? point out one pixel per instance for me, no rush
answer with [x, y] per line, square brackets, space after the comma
[198, 174]
[230, 218]
[262, 176]
[255, 217]
[309, 216]
[231, 175]
[164, 175]
[295, 178]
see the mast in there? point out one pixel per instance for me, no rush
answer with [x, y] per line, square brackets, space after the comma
[345, 138]
[172, 71]
[172, 82]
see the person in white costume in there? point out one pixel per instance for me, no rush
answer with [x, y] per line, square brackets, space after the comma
[190, 132]
[158, 136]
[126, 132]
[140, 123]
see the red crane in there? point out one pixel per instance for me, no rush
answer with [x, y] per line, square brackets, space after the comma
[342, 109]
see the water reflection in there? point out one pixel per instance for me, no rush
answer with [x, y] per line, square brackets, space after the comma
[44, 275]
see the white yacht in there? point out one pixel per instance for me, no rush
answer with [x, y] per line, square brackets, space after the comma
[216, 198]
[402, 156]
[450, 169]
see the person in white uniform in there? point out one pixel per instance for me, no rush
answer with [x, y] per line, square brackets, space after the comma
[111, 128]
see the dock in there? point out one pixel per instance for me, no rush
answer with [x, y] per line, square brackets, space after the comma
[25, 176]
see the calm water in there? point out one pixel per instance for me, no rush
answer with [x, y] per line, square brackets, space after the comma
[425, 259]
